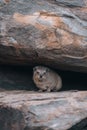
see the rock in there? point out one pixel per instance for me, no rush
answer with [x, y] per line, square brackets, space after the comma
[23, 110]
[46, 32]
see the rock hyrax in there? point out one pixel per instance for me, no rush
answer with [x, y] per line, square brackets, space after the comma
[46, 79]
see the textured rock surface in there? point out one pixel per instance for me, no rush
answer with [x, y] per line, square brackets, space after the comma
[21, 110]
[48, 32]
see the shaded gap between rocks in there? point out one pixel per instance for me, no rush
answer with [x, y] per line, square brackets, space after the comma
[20, 78]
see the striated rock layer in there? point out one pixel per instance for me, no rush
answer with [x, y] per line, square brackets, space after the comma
[47, 32]
[21, 110]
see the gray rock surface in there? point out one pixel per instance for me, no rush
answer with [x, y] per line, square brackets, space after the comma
[21, 110]
[47, 32]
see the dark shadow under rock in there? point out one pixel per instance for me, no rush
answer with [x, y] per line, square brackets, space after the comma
[13, 78]
[20, 78]
[11, 119]
[82, 125]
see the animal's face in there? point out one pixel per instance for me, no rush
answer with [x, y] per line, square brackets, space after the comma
[40, 73]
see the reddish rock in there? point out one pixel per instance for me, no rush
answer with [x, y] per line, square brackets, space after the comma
[47, 32]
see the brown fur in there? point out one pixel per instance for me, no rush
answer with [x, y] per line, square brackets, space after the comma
[46, 79]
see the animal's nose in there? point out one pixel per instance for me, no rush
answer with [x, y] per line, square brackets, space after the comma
[40, 76]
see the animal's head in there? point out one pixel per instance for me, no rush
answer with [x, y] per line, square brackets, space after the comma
[40, 73]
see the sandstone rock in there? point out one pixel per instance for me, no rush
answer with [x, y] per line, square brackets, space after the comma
[21, 110]
[47, 32]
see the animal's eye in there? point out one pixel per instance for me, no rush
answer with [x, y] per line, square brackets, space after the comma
[44, 72]
[37, 72]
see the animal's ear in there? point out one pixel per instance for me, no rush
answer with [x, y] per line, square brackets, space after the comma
[35, 68]
[47, 69]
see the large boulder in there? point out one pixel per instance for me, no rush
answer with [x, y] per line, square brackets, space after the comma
[47, 32]
[21, 110]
